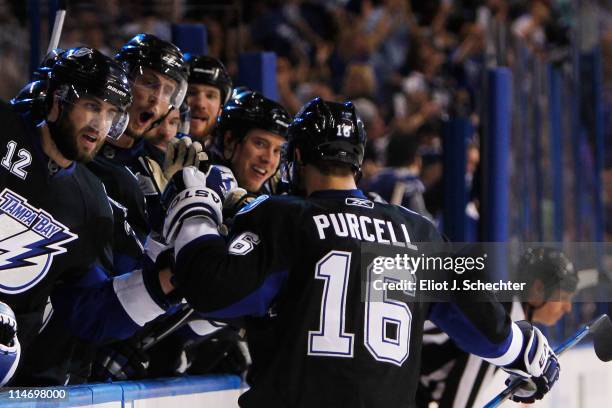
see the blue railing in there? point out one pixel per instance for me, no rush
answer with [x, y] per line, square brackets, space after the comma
[125, 391]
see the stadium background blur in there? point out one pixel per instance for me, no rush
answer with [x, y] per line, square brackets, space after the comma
[424, 70]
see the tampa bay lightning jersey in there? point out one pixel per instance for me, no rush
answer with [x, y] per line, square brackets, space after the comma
[329, 345]
[122, 185]
[55, 223]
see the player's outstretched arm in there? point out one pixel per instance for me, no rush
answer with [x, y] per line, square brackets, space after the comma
[517, 347]
[99, 308]
[220, 279]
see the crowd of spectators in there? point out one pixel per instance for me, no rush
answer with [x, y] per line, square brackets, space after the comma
[407, 64]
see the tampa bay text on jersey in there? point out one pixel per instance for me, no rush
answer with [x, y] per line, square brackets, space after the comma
[29, 239]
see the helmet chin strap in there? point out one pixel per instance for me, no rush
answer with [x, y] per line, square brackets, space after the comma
[296, 178]
[158, 121]
[60, 109]
[358, 175]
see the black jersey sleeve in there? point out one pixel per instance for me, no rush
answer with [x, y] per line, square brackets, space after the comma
[475, 320]
[241, 276]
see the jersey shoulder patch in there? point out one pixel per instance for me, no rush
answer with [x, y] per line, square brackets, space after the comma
[29, 239]
[253, 204]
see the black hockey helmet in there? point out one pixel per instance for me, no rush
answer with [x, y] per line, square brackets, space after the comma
[148, 51]
[210, 71]
[31, 98]
[86, 71]
[44, 70]
[240, 90]
[549, 266]
[250, 110]
[327, 131]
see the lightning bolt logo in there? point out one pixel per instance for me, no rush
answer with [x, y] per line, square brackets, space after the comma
[29, 240]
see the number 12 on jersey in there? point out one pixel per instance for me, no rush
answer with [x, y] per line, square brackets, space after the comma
[386, 321]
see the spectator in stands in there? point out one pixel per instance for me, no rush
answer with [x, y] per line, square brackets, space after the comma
[530, 26]
[359, 82]
[399, 183]
[376, 129]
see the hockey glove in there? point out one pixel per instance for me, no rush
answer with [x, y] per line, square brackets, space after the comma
[120, 361]
[537, 365]
[10, 349]
[182, 153]
[220, 179]
[192, 194]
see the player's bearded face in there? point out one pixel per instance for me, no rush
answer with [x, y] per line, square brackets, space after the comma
[82, 130]
[152, 93]
[256, 158]
[205, 105]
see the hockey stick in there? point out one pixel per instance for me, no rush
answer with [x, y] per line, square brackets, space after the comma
[601, 328]
[174, 322]
[58, 25]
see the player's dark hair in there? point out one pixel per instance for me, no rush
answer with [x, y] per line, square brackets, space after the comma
[329, 168]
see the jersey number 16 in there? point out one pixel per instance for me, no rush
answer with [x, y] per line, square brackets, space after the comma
[386, 323]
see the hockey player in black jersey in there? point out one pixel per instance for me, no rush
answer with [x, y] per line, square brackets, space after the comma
[452, 378]
[158, 76]
[55, 219]
[209, 89]
[303, 254]
[248, 138]
[251, 130]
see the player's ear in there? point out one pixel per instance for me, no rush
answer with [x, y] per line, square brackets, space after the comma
[298, 156]
[536, 293]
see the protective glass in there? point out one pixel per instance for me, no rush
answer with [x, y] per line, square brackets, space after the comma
[185, 125]
[99, 114]
[162, 87]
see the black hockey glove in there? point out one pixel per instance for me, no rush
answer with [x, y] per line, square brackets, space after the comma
[120, 361]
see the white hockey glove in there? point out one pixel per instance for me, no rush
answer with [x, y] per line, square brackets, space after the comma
[537, 365]
[187, 196]
[182, 153]
[10, 349]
